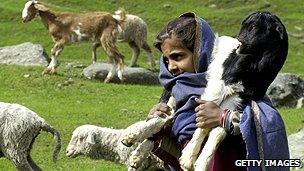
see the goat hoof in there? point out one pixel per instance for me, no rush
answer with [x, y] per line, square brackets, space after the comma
[46, 71]
[122, 80]
[53, 71]
[107, 80]
[135, 162]
[186, 163]
[126, 143]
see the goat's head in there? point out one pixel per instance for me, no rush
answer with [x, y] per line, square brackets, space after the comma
[31, 9]
[82, 140]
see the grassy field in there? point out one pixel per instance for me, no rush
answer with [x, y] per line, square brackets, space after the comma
[118, 105]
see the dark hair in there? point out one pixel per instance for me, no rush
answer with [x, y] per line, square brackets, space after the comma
[183, 28]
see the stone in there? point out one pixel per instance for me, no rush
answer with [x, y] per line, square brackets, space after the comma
[287, 90]
[24, 54]
[131, 75]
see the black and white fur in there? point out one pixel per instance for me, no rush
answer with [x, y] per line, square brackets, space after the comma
[241, 70]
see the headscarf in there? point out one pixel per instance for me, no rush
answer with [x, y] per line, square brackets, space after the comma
[188, 86]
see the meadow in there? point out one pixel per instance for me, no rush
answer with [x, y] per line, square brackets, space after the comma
[118, 105]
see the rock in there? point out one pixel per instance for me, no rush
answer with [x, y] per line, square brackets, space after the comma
[131, 75]
[287, 90]
[24, 54]
[296, 146]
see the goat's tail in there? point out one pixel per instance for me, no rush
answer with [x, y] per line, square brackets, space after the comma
[48, 128]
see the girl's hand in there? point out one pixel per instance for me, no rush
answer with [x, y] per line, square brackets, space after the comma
[160, 109]
[208, 114]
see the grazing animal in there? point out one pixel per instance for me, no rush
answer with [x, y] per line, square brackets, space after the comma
[19, 126]
[98, 27]
[240, 71]
[105, 143]
[134, 32]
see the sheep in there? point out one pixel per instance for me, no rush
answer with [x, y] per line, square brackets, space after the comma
[98, 27]
[105, 143]
[19, 126]
[134, 32]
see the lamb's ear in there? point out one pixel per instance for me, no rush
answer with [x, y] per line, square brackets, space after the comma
[90, 138]
[280, 30]
[40, 7]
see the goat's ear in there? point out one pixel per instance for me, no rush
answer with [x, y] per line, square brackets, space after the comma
[280, 30]
[90, 138]
[40, 7]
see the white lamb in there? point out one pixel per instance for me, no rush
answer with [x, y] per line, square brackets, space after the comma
[105, 143]
[134, 31]
[19, 126]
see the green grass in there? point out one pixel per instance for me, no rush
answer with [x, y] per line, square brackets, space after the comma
[117, 105]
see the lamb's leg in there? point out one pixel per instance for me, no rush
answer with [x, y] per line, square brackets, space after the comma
[58, 47]
[148, 50]
[141, 153]
[190, 152]
[94, 56]
[142, 130]
[135, 53]
[216, 136]
[108, 42]
[33, 164]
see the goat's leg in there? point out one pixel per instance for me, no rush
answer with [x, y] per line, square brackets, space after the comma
[108, 42]
[192, 149]
[216, 136]
[141, 153]
[94, 56]
[148, 50]
[58, 47]
[135, 53]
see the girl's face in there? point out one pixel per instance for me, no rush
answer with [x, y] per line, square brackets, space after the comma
[178, 57]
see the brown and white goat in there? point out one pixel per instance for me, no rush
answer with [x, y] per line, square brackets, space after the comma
[134, 32]
[98, 27]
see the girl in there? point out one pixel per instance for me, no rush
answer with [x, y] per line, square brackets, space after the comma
[186, 44]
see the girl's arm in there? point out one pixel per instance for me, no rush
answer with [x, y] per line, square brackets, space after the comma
[210, 115]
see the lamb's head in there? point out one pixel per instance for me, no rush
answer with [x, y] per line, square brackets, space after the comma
[261, 31]
[31, 9]
[82, 141]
